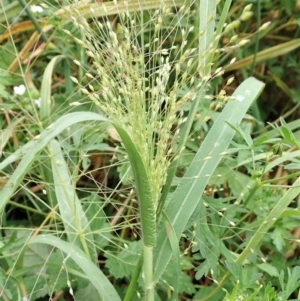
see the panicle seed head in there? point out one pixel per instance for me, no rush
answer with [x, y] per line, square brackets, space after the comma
[144, 79]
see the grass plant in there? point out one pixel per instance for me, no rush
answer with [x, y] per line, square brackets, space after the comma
[108, 193]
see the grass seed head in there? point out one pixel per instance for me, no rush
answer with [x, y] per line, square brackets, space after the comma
[140, 76]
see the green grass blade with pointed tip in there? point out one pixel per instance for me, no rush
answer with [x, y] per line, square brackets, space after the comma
[75, 222]
[45, 110]
[187, 195]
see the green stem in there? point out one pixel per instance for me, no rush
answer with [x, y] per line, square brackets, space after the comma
[255, 108]
[148, 273]
[33, 20]
[257, 184]
[133, 282]
[256, 46]
[293, 175]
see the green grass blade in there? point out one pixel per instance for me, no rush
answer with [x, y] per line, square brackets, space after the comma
[16, 155]
[75, 222]
[187, 195]
[266, 54]
[39, 144]
[220, 26]
[176, 254]
[45, 111]
[147, 209]
[146, 203]
[93, 273]
[9, 11]
[111, 8]
[207, 12]
[45, 120]
[7, 132]
[268, 222]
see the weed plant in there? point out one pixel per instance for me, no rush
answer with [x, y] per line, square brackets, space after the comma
[129, 170]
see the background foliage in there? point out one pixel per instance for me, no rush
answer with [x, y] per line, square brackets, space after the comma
[70, 225]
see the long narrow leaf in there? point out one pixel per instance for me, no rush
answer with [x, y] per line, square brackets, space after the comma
[35, 147]
[45, 111]
[146, 203]
[7, 132]
[207, 12]
[45, 120]
[187, 195]
[114, 8]
[75, 222]
[93, 273]
[266, 54]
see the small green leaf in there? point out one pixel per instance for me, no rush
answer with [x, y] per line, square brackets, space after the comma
[202, 269]
[293, 280]
[268, 222]
[261, 140]
[123, 264]
[58, 275]
[85, 293]
[277, 237]
[5, 78]
[3, 92]
[245, 134]
[287, 134]
[270, 269]
[292, 166]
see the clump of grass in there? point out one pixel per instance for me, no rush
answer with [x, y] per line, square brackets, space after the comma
[143, 62]
[146, 67]
[140, 78]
